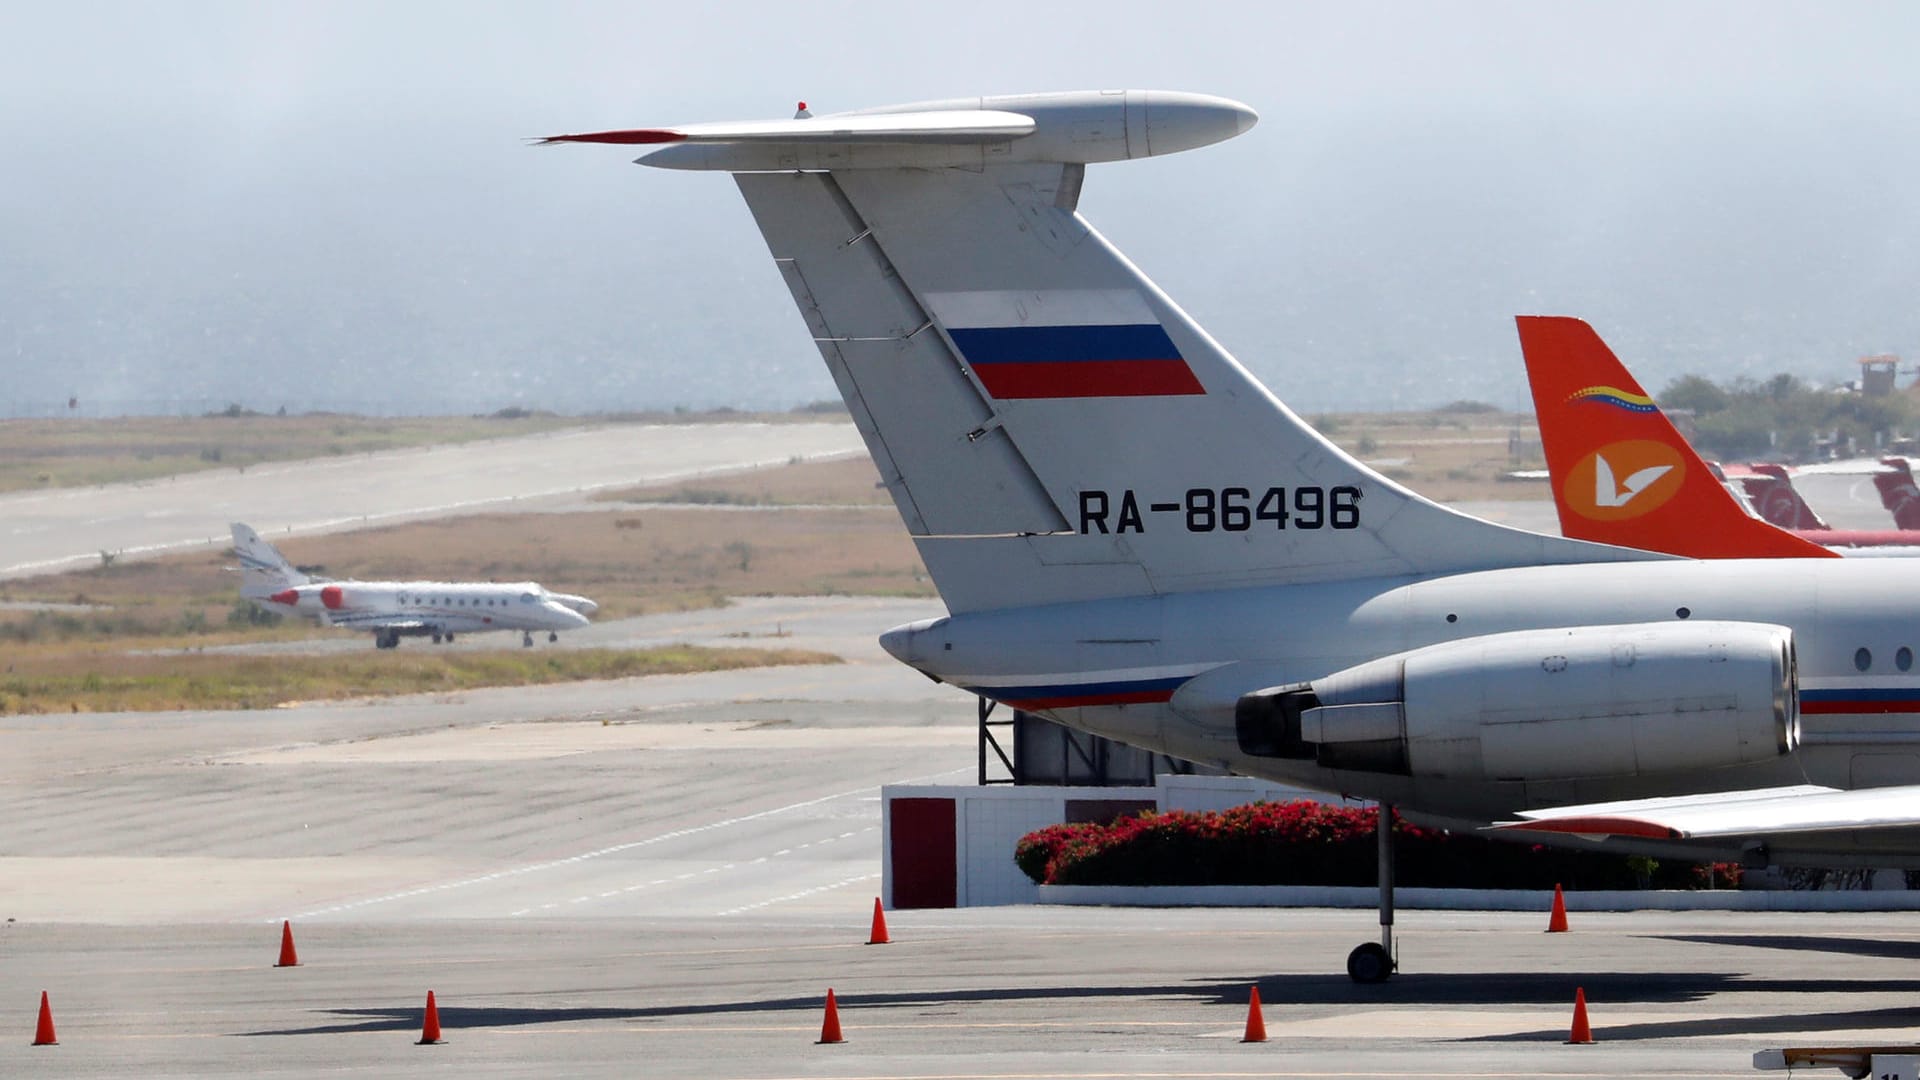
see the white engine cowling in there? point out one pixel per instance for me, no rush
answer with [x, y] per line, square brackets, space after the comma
[1586, 701]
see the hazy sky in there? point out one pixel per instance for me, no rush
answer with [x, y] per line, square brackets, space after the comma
[328, 205]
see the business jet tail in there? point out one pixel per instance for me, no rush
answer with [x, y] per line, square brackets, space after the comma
[263, 570]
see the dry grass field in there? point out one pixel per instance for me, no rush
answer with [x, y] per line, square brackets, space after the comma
[809, 529]
[1446, 456]
[115, 644]
[44, 679]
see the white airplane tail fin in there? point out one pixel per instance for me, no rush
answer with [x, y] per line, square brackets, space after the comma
[263, 570]
[1052, 427]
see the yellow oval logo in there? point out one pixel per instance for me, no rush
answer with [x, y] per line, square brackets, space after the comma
[1624, 480]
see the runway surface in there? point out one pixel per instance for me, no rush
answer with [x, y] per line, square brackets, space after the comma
[663, 876]
[44, 531]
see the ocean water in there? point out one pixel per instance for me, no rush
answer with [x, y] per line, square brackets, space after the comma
[1351, 267]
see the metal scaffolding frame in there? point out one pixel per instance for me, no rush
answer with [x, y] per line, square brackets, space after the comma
[1082, 760]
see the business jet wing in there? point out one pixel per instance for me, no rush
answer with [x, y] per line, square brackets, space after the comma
[377, 620]
[1804, 808]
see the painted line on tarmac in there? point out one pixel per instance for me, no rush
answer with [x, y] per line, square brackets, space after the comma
[615, 849]
[802, 894]
[638, 885]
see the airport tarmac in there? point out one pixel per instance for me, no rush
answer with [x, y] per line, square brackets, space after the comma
[46, 531]
[1025, 992]
[1844, 500]
[663, 876]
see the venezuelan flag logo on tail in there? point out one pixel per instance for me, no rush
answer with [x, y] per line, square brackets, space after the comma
[1068, 343]
[1629, 400]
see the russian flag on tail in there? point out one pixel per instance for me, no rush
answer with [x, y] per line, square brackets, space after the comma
[1066, 343]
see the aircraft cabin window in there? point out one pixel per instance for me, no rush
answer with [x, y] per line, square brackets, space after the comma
[1903, 659]
[1683, 613]
[1862, 658]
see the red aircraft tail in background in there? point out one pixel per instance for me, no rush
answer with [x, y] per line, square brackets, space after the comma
[1771, 493]
[1898, 492]
[1621, 473]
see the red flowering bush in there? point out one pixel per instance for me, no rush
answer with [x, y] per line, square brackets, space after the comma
[1313, 843]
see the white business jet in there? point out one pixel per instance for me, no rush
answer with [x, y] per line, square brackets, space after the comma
[391, 610]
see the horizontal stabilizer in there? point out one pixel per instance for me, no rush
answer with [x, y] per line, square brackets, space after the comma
[1763, 812]
[956, 126]
[1070, 128]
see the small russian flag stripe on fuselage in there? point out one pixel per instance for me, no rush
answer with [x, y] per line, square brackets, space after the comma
[1859, 700]
[1083, 695]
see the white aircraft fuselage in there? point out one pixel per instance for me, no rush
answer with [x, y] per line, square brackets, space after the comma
[1137, 538]
[445, 607]
[1134, 669]
[391, 610]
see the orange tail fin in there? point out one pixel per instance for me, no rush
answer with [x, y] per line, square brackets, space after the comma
[1621, 473]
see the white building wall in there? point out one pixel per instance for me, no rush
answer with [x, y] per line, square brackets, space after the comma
[989, 830]
[989, 821]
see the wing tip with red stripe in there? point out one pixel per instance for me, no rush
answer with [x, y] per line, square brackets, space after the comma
[627, 137]
[1594, 825]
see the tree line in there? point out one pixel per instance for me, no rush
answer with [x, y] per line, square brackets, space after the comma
[1786, 419]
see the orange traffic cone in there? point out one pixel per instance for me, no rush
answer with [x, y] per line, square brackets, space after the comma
[43, 1033]
[1557, 922]
[830, 1027]
[1256, 1025]
[288, 958]
[879, 934]
[430, 1030]
[1581, 1033]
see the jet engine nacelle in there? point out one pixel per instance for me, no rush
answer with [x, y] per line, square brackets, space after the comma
[1586, 701]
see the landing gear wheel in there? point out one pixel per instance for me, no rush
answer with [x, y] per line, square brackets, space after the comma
[438, 638]
[552, 637]
[1369, 963]
[526, 640]
[449, 639]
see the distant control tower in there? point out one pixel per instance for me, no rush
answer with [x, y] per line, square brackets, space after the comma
[1876, 374]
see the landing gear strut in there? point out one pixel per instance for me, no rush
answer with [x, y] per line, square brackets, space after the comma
[1374, 962]
[526, 639]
